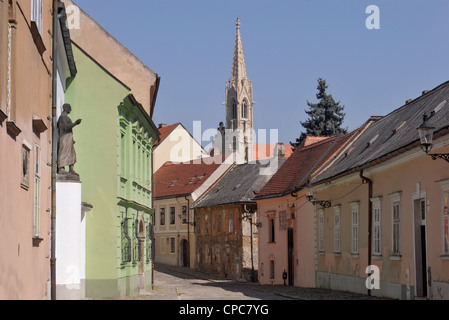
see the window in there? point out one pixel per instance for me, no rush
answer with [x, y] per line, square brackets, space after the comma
[377, 227]
[282, 220]
[445, 217]
[184, 214]
[321, 230]
[207, 224]
[172, 245]
[219, 223]
[355, 228]
[25, 167]
[198, 224]
[234, 110]
[245, 110]
[446, 223]
[37, 190]
[272, 274]
[231, 222]
[162, 216]
[396, 228]
[36, 13]
[172, 215]
[271, 230]
[337, 230]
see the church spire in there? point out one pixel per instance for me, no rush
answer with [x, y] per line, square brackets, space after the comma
[238, 65]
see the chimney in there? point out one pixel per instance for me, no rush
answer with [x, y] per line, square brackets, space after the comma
[280, 150]
[162, 125]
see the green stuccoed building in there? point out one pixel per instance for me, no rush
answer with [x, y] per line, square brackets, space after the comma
[114, 148]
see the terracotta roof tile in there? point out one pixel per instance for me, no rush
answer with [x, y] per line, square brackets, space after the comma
[182, 179]
[302, 164]
[165, 131]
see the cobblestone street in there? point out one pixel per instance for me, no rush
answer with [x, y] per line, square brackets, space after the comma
[175, 283]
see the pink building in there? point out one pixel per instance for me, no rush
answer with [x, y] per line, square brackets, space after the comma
[386, 231]
[286, 250]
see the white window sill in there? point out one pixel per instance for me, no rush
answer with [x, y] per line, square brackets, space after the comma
[396, 257]
[376, 257]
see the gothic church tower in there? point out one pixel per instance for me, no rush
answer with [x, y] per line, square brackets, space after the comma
[239, 104]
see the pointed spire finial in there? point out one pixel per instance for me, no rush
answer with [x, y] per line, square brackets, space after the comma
[238, 65]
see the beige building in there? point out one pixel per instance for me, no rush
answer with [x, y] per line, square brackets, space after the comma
[176, 144]
[387, 229]
[177, 187]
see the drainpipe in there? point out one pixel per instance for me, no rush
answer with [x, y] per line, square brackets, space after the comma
[368, 181]
[188, 229]
[54, 153]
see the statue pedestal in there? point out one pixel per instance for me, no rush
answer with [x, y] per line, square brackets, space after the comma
[70, 242]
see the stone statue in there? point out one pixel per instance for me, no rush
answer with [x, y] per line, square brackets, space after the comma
[66, 151]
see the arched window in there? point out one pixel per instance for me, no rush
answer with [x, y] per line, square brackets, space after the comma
[245, 110]
[234, 109]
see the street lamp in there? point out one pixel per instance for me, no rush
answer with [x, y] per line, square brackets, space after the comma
[325, 204]
[425, 132]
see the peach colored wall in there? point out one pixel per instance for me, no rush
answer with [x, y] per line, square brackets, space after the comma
[24, 269]
[106, 50]
[303, 228]
[404, 178]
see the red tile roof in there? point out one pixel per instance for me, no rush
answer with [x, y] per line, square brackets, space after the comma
[301, 165]
[267, 151]
[165, 131]
[173, 179]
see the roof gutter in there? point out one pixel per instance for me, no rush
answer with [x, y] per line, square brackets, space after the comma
[384, 158]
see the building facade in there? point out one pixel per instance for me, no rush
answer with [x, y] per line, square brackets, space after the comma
[177, 187]
[286, 250]
[386, 233]
[26, 141]
[176, 144]
[114, 146]
[226, 224]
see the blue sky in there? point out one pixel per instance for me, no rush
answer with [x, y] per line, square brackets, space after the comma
[288, 45]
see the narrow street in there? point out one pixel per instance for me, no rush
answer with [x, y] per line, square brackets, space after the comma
[176, 283]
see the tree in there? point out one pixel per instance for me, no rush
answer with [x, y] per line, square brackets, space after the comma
[325, 117]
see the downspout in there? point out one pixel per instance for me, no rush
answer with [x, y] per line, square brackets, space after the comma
[153, 219]
[188, 229]
[368, 181]
[54, 153]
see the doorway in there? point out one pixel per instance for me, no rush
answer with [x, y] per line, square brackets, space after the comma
[185, 253]
[291, 273]
[420, 212]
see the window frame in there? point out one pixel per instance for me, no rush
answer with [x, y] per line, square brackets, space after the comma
[231, 222]
[337, 229]
[396, 224]
[321, 231]
[37, 190]
[184, 214]
[36, 14]
[162, 217]
[172, 215]
[377, 227]
[355, 228]
[445, 218]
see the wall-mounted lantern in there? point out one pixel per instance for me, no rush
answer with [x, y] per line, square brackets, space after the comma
[425, 131]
